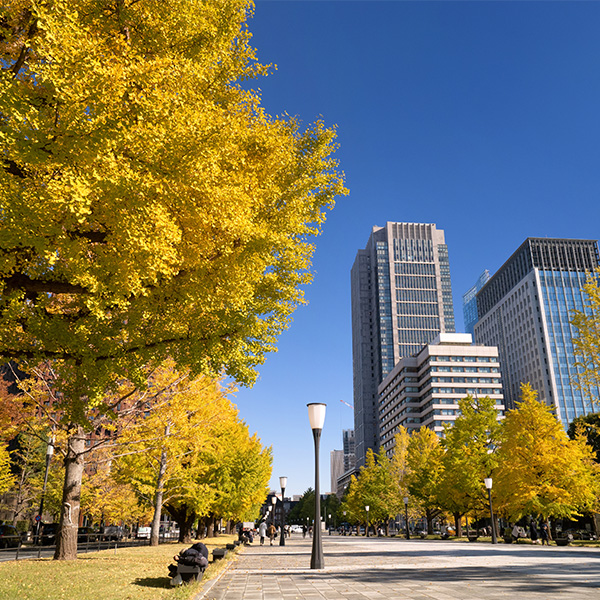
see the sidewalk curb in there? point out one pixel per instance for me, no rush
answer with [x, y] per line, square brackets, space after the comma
[209, 584]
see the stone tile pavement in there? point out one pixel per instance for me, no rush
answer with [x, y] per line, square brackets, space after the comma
[396, 569]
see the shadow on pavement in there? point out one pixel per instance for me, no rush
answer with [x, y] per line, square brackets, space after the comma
[546, 580]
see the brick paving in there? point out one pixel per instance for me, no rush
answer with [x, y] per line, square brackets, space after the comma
[396, 569]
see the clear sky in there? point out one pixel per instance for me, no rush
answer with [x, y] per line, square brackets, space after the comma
[481, 117]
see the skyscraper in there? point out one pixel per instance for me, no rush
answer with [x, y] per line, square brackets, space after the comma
[524, 309]
[470, 302]
[349, 450]
[401, 300]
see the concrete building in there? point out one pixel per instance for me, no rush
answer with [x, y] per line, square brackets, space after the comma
[336, 468]
[401, 300]
[470, 302]
[423, 390]
[349, 450]
[524, 309]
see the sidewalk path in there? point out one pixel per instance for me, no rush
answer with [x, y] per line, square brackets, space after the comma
[396, 569]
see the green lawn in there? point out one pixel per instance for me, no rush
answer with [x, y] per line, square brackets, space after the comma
[129, 574]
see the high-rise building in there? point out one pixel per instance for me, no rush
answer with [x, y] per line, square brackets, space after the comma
[349, 450]
[470, 302]
[336, 468]
[423, 390]
[401, 300]
[525, 309]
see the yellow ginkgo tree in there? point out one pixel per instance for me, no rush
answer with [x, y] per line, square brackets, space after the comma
[541, 472]
[150, 207]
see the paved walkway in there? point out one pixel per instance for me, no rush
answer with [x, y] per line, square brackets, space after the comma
[395, 569]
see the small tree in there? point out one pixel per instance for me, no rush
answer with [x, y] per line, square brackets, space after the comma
[424, 460]
[470, 456]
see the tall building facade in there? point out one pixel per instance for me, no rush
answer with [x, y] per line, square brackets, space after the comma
[336, 468]
[349, 450]
[423, 390]
[470, 302]
[524, 309]
[401, 300]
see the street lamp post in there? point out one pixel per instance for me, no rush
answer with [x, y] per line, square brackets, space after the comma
[316, 417]
[367, 509]
[488, 485]
[273, 502]
[329, 523]
[406, 516]
[283, 484]
[49, 453]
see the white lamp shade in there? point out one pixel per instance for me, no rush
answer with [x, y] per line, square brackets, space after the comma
[405, 499]
[283, 482]
[274, 499]
[316, 414]
[367, 508]
[488, 483]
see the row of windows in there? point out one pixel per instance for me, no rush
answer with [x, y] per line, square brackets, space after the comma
[410, 250]
[417, 308]
[415, 282]
[416, 296]
[409, 322]
[414, 268]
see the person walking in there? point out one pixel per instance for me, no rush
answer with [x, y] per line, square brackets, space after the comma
[304, 528]
[533, 532]
[271, 531]
[544, 534]
[262, 532]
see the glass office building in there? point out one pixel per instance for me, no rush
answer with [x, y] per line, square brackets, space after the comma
[470, 302]
[525, 310]
[401, 300]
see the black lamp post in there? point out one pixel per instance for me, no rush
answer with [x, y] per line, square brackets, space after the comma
[316, 416]
[488, 485]
[283, 484]
[367, 509]
[406, 516]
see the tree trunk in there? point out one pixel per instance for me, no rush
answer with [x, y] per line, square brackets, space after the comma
[66, 538]
[458, 524]
[467, 524]
[158, 500]
[184, 519]
[429, 517]
[210, 531]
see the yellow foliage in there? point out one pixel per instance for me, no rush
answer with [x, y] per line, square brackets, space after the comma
[150, 206]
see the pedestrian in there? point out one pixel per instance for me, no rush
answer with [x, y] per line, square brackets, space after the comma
[262, 532]
[544, 534]
[515, 533]
[304, 528]
[533, 532]
[271, 531]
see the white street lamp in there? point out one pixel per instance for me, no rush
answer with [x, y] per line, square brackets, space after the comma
[488, 484]
[316, 417]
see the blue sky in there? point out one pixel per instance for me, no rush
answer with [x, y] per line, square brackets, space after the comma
[481, 117]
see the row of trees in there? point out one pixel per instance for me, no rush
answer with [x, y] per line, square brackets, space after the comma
[178, 445]
[536, 468]
[151, 210]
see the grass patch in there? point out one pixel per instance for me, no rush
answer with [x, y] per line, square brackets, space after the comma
[129, 574]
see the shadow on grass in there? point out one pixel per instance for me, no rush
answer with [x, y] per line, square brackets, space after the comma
[153, 582]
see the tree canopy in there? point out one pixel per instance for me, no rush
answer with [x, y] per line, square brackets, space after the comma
[150, 206]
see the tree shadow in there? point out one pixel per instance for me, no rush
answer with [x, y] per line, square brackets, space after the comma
[153, 582]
